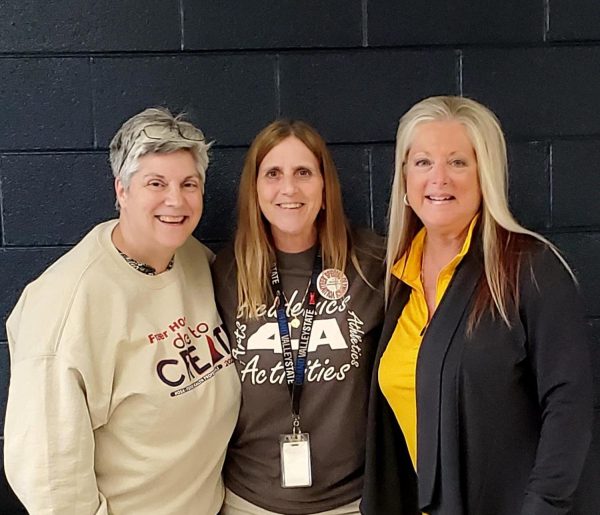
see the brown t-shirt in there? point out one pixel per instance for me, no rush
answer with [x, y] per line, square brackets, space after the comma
[333, 406]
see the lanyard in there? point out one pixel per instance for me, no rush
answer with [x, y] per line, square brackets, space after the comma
[295, 373]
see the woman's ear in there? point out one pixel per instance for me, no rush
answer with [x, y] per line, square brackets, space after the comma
[120, 191]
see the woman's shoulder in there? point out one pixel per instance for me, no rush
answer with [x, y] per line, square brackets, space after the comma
[224, 263]
[536, 252]
[367, 244]
[541, 263]
[369, 250]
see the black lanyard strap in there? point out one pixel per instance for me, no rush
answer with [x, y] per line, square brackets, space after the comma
[295, 373]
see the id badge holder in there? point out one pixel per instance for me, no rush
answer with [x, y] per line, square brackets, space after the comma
[294, 450]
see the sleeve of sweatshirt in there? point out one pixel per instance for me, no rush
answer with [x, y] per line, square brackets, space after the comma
[48, 436]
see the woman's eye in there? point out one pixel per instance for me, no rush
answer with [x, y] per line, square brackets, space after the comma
[422, 162]
[304, 172]
[155, 184]
[271, 174]
[458, 163]
[190, 185]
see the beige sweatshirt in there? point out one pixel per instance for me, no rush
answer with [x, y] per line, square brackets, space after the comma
[122, 395]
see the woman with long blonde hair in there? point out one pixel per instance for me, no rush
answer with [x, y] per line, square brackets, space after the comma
[481, 398]
[301, 297]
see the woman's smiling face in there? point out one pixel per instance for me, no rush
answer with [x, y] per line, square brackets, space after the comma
[290, 194]
[161, 206]
[442, 181]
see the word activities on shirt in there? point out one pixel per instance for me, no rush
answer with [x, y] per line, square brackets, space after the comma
[334, 347]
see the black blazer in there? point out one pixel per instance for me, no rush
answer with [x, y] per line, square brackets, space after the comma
[504, 416]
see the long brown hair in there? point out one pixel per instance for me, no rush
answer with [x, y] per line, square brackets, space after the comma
[253, 246]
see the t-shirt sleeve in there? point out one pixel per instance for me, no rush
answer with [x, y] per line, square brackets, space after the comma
[48, 439]
[210, 255]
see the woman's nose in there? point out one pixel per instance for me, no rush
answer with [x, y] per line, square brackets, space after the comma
[440, 173]
[288, 184]
[173, 196]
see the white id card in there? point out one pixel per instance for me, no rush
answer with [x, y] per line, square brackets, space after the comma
[294, 450]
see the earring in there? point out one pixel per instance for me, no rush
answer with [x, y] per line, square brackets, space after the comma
[405, 200]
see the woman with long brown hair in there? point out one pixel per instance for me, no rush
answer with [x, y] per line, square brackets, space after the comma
[301, 296]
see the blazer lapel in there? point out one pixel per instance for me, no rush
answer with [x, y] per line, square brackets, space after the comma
[430, 363]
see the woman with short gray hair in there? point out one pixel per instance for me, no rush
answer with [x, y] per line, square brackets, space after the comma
[123, 395]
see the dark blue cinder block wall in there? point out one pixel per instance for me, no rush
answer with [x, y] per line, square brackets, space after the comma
[72, 71]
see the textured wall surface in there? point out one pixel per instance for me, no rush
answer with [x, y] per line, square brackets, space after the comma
[73, 71]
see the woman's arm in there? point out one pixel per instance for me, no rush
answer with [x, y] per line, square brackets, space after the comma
[552, 313]
[48, 440]
[48, 436]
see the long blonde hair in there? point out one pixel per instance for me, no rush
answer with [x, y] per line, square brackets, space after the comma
[253, 246]
[498, 226]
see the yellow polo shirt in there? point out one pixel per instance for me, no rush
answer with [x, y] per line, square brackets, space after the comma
[398, 366]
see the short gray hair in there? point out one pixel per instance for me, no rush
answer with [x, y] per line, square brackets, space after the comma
[169, 134]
